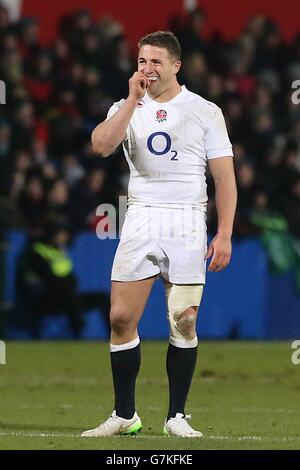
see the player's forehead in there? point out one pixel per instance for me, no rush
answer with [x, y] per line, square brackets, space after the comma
[148, 52]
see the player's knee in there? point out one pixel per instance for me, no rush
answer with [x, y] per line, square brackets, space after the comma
[120, 319]
[187, 323]
[183, 302]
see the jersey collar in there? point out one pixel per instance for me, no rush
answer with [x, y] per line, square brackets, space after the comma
[178, 98]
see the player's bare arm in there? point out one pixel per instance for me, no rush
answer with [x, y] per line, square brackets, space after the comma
[222, 171]
[109, 134]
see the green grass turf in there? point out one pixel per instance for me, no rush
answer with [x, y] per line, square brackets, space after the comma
[245, 395]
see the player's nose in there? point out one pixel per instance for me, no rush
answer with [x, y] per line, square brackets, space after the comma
[148, 68]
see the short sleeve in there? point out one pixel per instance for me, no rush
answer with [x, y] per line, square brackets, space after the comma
[113, 109]
[217, 143]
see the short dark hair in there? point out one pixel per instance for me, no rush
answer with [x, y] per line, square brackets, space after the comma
[165, 39]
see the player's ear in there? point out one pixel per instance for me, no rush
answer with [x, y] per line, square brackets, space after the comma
[176, 66]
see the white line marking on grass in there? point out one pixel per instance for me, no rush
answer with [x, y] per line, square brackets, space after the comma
[37, 434]
[77, 435]
[255, 438]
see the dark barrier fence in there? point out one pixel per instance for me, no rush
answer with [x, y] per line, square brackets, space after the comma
[244, 301]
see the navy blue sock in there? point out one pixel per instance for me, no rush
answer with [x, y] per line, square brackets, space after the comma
[181, 364]
[125, 367]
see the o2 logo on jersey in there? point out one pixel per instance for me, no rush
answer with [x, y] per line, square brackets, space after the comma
[167, 144]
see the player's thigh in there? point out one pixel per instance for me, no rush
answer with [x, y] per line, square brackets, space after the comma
[128, 299]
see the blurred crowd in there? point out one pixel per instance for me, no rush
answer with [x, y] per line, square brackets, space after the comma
[56, 96]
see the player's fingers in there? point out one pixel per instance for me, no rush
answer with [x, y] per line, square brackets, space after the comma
[220, 265]
[209, 251]
[143, 79]
[140, 79]
[224, 263]
[220, 260]
[216, 261]
[143, 82]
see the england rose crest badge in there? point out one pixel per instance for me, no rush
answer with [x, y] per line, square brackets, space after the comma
[161, 115]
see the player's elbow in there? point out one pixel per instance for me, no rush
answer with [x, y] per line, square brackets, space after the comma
[99, 148]
[99, 142]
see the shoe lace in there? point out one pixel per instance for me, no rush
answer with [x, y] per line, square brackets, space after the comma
[182, 421]
[109, 421]
[186, 424]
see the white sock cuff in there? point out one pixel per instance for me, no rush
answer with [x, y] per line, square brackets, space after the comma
[123, 347]
[193, 343]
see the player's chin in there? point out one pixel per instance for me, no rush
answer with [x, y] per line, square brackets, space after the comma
[155, 89]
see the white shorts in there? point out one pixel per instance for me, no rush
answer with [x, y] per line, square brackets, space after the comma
[168, 242]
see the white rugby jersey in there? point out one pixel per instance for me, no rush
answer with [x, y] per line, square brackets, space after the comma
[167, 146]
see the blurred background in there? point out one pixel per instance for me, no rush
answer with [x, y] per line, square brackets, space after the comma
[63, 66]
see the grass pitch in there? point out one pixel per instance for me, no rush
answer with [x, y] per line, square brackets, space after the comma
[245, 395]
